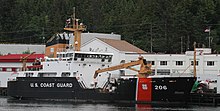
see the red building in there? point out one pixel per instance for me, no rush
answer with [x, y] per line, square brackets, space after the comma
[11, 63]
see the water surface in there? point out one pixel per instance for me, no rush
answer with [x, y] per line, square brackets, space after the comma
[9, 104]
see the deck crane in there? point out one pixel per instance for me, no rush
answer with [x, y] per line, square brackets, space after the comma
[24, 61]
[144, 71]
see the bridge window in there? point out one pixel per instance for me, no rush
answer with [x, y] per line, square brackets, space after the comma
[65, 74]
[151, 62]
[69, 54]
[179, 63]
[210, 63]
[110, 59]
[64, 55]
[163, 63]
[75, 59]
[59, 56]
[103, 60]
[93, 56]
[197, 62]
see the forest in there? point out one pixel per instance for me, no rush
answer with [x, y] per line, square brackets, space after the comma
[167, 26]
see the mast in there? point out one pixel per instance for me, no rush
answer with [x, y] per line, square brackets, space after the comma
[77, 30]
[194, 60]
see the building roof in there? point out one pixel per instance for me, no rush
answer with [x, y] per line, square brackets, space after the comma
[122, 45]
[20, 48]
[68, 38]
[17, 57]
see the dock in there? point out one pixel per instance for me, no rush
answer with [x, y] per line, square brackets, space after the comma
[209, 99]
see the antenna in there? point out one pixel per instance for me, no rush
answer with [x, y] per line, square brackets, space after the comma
[74, 12]
[194, 60]
[77, 30]
[74, 17]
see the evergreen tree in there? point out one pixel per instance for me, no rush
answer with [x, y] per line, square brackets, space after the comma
[168, 26]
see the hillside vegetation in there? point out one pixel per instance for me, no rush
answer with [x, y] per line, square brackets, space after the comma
[169, 26]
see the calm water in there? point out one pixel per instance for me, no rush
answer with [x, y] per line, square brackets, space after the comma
[7, 104]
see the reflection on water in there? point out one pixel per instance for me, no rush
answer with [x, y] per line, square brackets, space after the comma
[8, 104]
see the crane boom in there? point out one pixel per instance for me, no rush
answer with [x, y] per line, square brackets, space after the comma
[24, 61]
[144, 69]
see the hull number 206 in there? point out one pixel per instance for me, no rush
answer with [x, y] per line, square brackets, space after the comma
[160, 87]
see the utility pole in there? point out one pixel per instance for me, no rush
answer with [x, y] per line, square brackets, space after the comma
[181, 43]
[209, 37]
[188, 42]
[151, 41]
[43, 37]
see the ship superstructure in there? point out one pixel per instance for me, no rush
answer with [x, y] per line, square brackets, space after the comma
[90, 76]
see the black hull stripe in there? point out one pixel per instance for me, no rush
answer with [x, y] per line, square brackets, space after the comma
[163, 89]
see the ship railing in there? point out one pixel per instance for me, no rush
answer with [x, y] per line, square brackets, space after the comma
[82, 83]
[181, 74]
[80, 26]
[105, 84]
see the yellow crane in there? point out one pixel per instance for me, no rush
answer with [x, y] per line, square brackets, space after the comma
[24, 61]
[144, 71]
